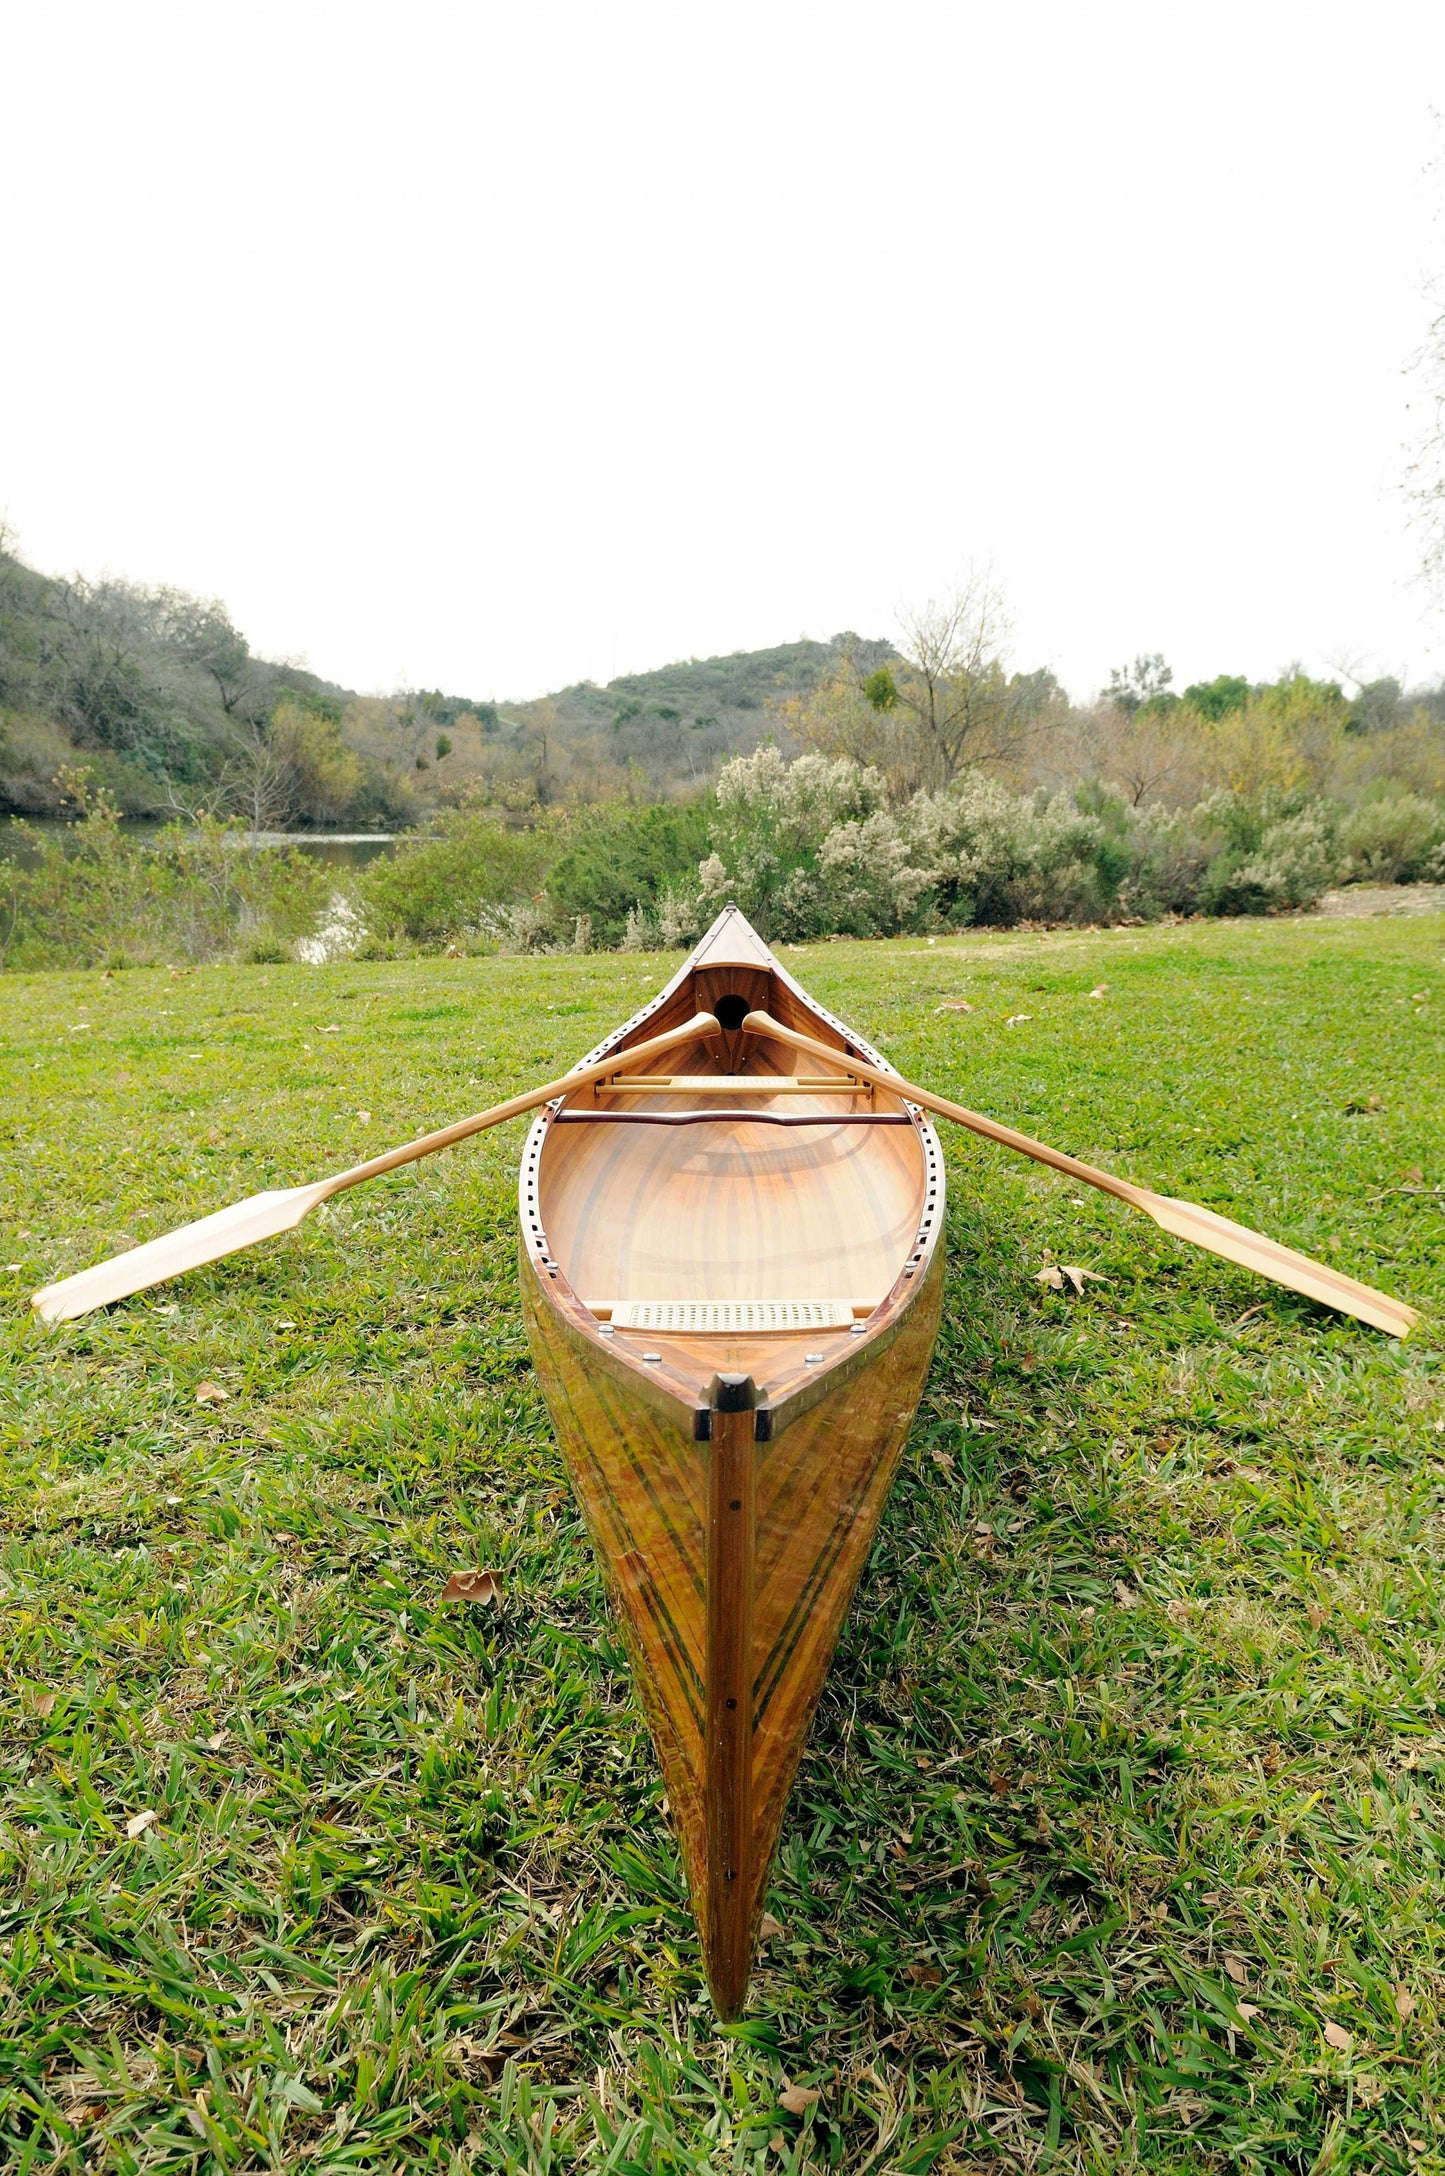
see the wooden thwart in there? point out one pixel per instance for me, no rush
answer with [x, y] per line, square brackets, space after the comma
[733, 1084]
[1185, 1219]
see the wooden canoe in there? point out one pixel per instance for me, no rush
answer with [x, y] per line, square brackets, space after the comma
[732, 1275]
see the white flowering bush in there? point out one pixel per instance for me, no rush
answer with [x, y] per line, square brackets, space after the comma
[985, 854]
[812, 848]
[772, 820]
[525, 927]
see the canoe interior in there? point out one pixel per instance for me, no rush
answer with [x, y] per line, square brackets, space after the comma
[730, 1207]
[732, 1479]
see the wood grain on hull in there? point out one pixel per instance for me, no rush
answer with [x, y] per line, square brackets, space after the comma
[818, 1493]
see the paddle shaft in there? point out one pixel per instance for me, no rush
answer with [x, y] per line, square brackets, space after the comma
[762, 1023]
[1185, 1219]
[701, 1025]
[265, 1216]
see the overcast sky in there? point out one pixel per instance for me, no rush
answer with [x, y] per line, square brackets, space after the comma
[495, 347]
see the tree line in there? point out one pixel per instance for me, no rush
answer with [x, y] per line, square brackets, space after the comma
[923, 784]
[159, 696]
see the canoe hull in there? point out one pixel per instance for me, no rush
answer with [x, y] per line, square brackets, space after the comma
[731, 1280]
[647, 1492]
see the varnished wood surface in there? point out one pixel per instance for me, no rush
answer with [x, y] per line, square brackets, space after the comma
[647, 1490]
[732, 1541]
[728, 1665]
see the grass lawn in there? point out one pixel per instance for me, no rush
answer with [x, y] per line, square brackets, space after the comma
[1120, 1842]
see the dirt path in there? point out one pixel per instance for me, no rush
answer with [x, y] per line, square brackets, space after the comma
[1359, 899]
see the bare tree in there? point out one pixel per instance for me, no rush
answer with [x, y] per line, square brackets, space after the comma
[200, 632]
[1425, 484]
[1425, 473]
[257, 777]
[1139, 751]
[963, 705]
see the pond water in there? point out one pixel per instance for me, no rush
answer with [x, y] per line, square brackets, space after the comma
[342, 849]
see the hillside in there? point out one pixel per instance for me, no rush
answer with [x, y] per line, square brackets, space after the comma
[159, 696]
[670, 730]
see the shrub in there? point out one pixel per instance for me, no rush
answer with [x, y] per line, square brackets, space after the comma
[339, 934]
[1298, 858]
[984, 854]
[1391, 840]
[811, 849]
[622, 861]
[525, 927]
[96, 893]
[1258, 853]
[444, 885]
[771, 821]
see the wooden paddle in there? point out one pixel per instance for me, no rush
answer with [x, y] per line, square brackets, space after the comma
[1183, 1218]
[263, 1216]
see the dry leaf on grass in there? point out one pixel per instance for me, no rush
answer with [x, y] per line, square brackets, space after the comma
[1124, 1595]
[216, 1741]
[45, 1704]
[365, 1117]
[334, 1029]
[1316, 1615]
[1056, 1275]
[769, 1927]
[954, 1004]
[942, 1458]
[1017, 1019]
[1247, 2010]
[1099, 989]
[211, 1394]
[1404, 2003]
[1338, 2037]
[798, 2099]
[140, 1822]
[479, 1586]
[1238, 1971]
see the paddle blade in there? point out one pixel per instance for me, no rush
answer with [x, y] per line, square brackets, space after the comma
[260, 1216]
[1186, 1220]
